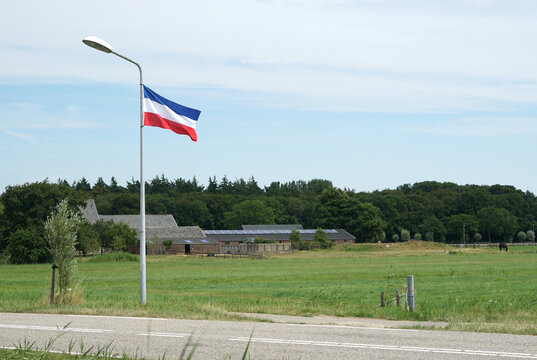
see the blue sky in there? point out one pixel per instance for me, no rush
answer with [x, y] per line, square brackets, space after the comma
[368, 94]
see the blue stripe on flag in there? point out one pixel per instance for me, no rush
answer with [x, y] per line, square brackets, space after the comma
[179, 109]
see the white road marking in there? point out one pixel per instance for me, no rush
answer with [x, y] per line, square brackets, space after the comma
[351, 327]
[388, 347]
[173, 335]
[119, 317]
[52, 328]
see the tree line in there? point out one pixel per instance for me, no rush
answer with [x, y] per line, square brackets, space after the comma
[429, 210]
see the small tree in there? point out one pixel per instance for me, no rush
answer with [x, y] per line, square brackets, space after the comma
[167, 245]
[88, 238]
[521, 236]
[60, 233]
[321, 240]
[417, 236]
[405, 235]
[395, 238]
[530, 235]
[118, 243]
[295, 239]
[477, 237]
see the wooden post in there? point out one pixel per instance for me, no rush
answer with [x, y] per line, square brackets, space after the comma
[410, 293]
[397, 298]
[54, 267]
[382, 302]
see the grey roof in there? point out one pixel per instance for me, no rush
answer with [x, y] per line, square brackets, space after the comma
[203, 241]
[278, 235]
[156, 226]
[151, 221]
[273, 227]
[89, 212]
[177, 232]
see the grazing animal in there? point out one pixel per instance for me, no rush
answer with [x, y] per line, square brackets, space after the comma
[503, 246]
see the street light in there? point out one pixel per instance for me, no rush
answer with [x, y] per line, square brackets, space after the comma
[101, 45]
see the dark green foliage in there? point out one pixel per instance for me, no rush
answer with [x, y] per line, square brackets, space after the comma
[248, 212]
[27, 206]
[27, 247]
[258, 240]
[320, 240]
[115, 257]
[88, 238]
[497, 223]
[295, 239]
[433, 229]
[115, 236]
[433, 209]
[167, 243]
[337, 209]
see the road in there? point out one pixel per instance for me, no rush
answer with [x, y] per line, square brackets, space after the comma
[153, 337]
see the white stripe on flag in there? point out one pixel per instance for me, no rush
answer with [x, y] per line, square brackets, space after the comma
[166, 113]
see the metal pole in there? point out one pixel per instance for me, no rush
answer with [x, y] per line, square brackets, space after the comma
[142, 185]
[410, 293]
[54, 267]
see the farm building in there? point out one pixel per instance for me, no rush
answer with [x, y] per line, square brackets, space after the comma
[279, 233]
[185, 239]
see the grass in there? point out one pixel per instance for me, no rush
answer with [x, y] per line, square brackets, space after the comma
[473, 289]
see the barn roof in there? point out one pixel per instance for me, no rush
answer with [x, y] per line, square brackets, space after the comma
[156, 226]
[278, 235]
[273, 227]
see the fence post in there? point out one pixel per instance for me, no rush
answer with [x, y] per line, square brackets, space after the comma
[54, 267]
[397, 297]
[410, 293]
[382, 303]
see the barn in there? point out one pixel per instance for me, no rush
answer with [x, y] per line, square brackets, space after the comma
[278, 233]
[159, 228]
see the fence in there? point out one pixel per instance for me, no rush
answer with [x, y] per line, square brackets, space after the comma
[253, 249]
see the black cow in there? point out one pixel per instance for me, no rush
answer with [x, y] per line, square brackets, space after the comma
[503, 246]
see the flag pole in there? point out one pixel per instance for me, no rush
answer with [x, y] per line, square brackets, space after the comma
[142, 185]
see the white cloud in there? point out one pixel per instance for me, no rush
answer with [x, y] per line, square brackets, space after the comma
[359, 55]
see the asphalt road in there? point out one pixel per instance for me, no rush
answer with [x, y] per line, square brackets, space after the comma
[152, 338]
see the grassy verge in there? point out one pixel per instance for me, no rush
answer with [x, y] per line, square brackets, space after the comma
[473, 289]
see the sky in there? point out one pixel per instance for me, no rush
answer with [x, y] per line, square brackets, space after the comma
[369, 94]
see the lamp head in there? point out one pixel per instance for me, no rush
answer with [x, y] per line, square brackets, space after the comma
[98, 44]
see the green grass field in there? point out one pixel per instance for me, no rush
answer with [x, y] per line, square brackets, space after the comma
[473, 289]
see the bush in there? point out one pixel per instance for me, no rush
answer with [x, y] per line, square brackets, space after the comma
[321, 240]
[395, 238]
[295, 239]
[27, 247]
[115, 257]
[521, 236]
[417, 236]
[405, 235]
[259, 240]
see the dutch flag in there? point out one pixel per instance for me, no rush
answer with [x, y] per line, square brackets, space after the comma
[166, 114]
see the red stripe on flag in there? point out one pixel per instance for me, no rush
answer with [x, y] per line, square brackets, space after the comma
[151, 119]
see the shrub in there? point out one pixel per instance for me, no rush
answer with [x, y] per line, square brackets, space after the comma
[417, 236]
[405, 235]
[295, 239]
[60, 233]
[27, 247]
[395, 238]
[259, 240]
[521, 236]
[115, 256]
[321, 240]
